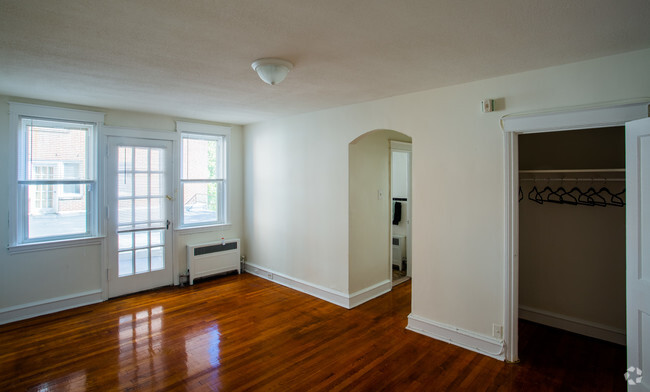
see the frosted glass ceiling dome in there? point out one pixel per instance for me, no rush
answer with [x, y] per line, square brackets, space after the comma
[272, 70]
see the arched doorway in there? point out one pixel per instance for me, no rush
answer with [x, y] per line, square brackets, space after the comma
[371, 214]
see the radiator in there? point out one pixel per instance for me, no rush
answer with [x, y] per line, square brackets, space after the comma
[213, 258]
[399, 250]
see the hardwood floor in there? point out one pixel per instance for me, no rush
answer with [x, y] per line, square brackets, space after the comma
[243, 333]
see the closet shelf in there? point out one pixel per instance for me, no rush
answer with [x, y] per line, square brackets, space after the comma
[551, 171]
[573, 175]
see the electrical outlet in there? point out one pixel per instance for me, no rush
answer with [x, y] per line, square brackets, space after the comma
[497, 331]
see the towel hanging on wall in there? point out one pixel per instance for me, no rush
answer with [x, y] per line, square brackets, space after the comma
[397, 213]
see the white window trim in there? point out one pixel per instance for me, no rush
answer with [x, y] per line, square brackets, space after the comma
[208, 130]
[16, 111]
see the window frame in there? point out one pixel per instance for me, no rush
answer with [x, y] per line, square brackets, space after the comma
[19, 199]
[204, 131]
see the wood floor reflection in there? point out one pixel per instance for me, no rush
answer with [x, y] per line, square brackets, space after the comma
[243, 333]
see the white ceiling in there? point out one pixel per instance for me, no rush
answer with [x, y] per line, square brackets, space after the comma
[192, 58]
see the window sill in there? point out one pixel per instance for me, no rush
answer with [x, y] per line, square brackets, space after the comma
[42, 246]
[187, 230]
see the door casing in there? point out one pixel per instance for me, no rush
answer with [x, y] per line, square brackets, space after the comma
[565, 119]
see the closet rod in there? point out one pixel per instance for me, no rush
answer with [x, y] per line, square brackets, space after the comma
[574, 171]
[573, 179]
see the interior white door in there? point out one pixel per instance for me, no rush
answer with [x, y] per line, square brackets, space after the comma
[139, 183]
[637, 151]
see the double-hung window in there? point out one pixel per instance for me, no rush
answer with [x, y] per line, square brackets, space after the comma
[56, 183]
[203, 179]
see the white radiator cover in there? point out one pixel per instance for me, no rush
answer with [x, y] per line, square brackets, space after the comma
[213, 258]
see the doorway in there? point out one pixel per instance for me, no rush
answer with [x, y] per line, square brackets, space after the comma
[572, 231]
[139, 182]
[370, 214]
[605, 115]
[400, 189]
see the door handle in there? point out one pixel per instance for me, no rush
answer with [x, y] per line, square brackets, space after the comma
[168, 222]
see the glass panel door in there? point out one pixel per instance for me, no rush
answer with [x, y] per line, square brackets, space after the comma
[140, 235]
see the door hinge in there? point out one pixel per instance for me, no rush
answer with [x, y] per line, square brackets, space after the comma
[108, 274]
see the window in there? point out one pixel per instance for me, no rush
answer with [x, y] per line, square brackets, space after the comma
[71, 170]
[203, 179]
[56, 187]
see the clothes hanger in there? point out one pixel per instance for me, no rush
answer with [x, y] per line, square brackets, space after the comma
[582, 198]
[596, 197]
[535, 196]
[566, 197]
[614, 200]
[552, 196]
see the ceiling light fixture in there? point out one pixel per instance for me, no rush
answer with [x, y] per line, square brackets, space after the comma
[271, 70]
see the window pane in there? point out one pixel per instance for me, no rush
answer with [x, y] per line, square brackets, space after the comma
[141, 159]
[155, 205]
[141, 184]
[141, 261]
[125, 263]
[141, 239]
[125, 212]
[201, 202]
[125, 159]
[157, 259]
[125, 185]
[55, 152]
[49, 216]
[125, 241]
[157, 237]
[141, 210]
[155, 185]
[156, 159]
[202, 158]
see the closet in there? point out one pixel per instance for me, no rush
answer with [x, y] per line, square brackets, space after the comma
[572, 231]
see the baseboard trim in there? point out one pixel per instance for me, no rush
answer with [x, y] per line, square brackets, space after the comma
[572, 324]
[459, 337]
[323, 293]
[372, 292]
[329, 295]
[52, 305]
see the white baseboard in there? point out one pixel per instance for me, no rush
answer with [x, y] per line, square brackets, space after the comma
[572, 324]
[365, 295]
[329, 295]
[323, 293]
[39, 308]
[459, 337]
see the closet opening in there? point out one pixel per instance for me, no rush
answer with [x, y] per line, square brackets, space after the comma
[572, 257]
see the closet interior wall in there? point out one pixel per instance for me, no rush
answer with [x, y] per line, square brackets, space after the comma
[572, 257]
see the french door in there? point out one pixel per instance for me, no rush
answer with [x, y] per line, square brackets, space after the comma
[139, 185]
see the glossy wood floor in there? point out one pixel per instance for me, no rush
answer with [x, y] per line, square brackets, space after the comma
[243, 333]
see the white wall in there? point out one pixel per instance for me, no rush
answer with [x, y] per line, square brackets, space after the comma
[296, 183]
[369, 243]
[32, 278]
